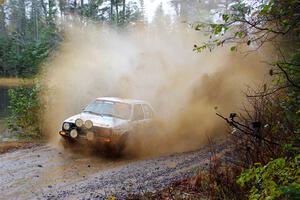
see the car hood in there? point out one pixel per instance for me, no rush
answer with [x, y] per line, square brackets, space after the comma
[105, 121]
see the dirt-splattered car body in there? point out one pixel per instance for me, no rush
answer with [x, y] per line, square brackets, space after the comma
[108, 120]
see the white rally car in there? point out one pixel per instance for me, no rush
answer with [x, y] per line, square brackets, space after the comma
[108, 120]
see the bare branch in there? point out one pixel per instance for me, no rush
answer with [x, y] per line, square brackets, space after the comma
[287, 76]
[263, 94]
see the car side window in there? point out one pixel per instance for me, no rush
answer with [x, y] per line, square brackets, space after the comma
[138, 113]
[148, 111]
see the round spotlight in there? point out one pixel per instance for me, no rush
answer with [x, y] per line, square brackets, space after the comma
[79, 122]
[88, 124]
[74, 133]
[90, 135]
[66, 126]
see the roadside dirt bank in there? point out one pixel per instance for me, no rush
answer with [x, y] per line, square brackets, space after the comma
[9, 146]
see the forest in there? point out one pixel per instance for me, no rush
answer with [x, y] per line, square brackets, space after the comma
[264, 137]
[31, 30]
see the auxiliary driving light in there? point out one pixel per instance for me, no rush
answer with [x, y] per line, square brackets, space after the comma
[79, 123]
[66, 126]
[74, 133]
[88, 124]
[90, 135]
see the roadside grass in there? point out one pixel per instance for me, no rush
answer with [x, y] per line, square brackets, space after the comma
[7, 135]
[2, 126]
[183, 189]
[11, 141]
[13, 82]
[13, 135]
[9, 146]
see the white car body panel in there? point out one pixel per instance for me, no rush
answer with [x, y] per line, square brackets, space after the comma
[118, 125]
[105, 121]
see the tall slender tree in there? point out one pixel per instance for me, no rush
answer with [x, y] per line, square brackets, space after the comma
[35, 16]
[117, 11]
[2, 21]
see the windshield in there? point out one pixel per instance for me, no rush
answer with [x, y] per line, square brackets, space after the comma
[109, 108]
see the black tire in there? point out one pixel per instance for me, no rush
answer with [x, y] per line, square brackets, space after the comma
[112, 150]
[124, 139]
[66, 142]
[123, 142]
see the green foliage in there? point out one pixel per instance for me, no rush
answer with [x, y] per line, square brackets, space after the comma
[245, 24]
[225, 17]
[265, 9]
[90, 10]
[26, 62]
[8, 57]
[26, 39]
[233, 48]
[25, 110]
[217, 28]
[279, 178]
[241, 20]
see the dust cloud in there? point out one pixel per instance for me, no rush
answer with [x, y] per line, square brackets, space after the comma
[155, 63]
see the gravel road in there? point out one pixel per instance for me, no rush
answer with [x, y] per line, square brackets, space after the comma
[48, 172]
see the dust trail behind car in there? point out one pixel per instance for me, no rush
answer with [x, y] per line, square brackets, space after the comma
[155, 63]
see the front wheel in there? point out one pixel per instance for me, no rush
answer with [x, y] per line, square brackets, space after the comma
[117, 147]
[123, 141]
[66, 142]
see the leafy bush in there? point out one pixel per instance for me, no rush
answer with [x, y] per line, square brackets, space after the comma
[278, 178]
[25, 110]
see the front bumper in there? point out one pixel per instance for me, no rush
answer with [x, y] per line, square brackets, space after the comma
[97, 137]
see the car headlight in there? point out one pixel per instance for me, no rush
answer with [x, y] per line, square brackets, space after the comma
[74, 133]
[66, 126]
[88, 124]
[79, 123]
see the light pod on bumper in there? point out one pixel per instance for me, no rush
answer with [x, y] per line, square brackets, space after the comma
[79, 122]
[66, 126]
[88, 124]
[74, 133]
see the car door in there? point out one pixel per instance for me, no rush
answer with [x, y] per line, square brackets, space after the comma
[138, 117]
[148, 122]
[148, 113]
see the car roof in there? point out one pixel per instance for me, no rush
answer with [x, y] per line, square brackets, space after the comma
[116, 99]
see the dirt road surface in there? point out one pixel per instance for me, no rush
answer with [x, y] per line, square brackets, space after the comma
[48, 172]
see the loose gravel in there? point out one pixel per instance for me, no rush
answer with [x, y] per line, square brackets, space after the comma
[46, 172]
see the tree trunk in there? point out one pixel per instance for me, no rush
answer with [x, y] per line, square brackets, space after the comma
[34, 17]
[21, 27]
[111, 9]
[51, 13]
[124, 10]
[62, 5]
[2, 21]
[117, 11]
[44, 8]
